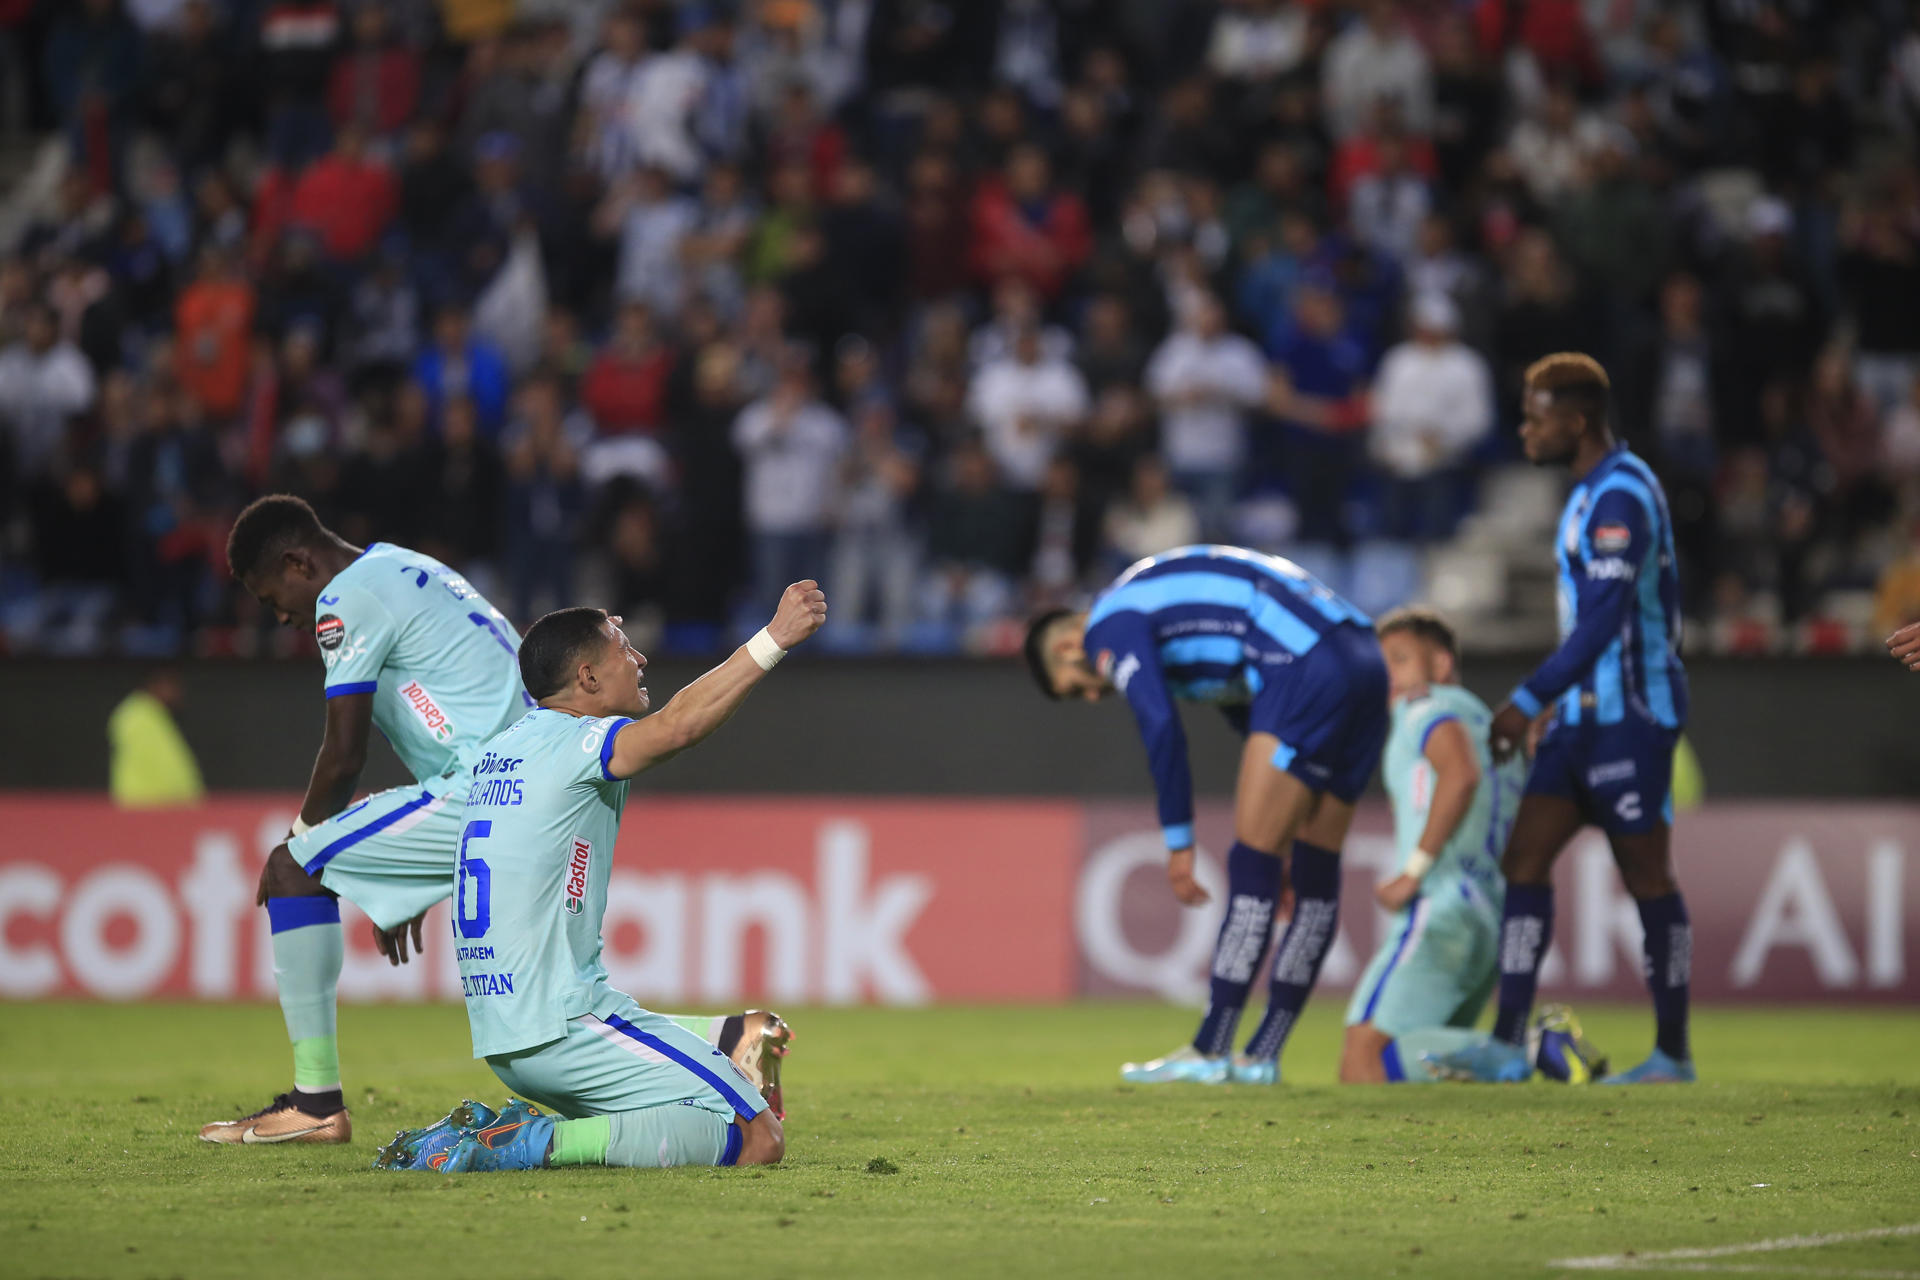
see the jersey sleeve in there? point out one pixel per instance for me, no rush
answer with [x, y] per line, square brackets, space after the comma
[356, 631]
[1423, 716]
[1123, 649]
[1614, 544]
[591, 764]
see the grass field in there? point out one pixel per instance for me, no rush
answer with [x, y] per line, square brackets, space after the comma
[979, 1141]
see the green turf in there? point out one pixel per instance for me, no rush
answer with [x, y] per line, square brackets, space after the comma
[967, 1142]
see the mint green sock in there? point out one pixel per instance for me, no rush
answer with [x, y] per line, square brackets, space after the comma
[581, 1141]
[662, 1137]
[308, 950]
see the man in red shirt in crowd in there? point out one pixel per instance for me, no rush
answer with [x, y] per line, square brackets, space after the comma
[346, 198]
[1023, 226]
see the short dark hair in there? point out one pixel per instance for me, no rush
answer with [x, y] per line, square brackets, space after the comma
[556, 645]
[1575, 379]
[1035, 648]
[1423, 623]
[268, 528]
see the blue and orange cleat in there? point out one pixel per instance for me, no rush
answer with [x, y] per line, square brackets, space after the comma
[1659, 1068]
[1185, 1065]
[518, 1138]
[429, 1148]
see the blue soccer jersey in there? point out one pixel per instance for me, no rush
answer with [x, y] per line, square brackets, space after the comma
[441, 663]
[1239, 629]
[1619, 603]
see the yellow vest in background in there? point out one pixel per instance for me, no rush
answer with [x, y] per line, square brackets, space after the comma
[150, 765]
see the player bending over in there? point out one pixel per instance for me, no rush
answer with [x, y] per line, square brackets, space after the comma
[409, 647]
[1452, 808]
[1618, 697]
[1298, 671]
[629, 1087]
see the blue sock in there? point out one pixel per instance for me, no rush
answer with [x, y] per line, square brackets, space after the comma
[1303, 948]
[1525, 933]
[1668, 951]
[1253, 886]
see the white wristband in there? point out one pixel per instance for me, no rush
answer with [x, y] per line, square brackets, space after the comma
[300, 826]
[1419, 862]
[762, 649]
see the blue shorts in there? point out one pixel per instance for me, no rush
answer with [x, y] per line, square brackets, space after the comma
[1620, 775]
[1329, 710]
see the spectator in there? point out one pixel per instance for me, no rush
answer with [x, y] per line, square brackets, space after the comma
[190, 93]
[346, 198]
[1024, 226]
[44, 382]
[712, 249]
[706, 535]
[1880, 269]
[877, 547]
[1151, 518]
[1773, 319]
[1901, 440]
[544, 501]
[385, 322]
[977, 538]
[1206, 380]
[652, 224]
[297, 42]
[606, 94]
[1110, 352]
[149, 764]
[1319, 396]
[1388, 206]
[460, 364]
[1256, 39]
[625, 387]
[1432, 403]
[1551, 148]
[463, 485]
[375, 83]
[1376, 59]
[433, 186]
[1065, 537]
[1027, 406]
[92, 66]
[1845, 423]
[936, 220]
[790, 446]
[213, 322]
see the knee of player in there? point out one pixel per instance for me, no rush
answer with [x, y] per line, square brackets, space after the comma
[286, 878]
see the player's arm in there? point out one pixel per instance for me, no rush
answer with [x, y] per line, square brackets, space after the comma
[1135, 671]
[1904, 645]
[342, 757]
[1619, 533]
[1456, 776]
[691, 715]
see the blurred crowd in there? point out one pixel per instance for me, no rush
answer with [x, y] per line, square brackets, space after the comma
[957, 306]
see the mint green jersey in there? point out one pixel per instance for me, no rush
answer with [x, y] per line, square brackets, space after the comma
[441, 663]
[531, 889]
[1473, 854]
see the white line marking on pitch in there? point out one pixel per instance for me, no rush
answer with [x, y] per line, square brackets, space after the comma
[1663, 1260]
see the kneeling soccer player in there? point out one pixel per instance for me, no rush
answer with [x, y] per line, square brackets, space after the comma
[624, 1086]
[1452, 808]
[1298, 671]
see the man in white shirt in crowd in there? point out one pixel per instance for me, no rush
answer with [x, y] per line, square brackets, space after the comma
[790, 445]
[1206, 380]
[43, 382]
[1027, 405]
[1432, 403]
[1375, 58]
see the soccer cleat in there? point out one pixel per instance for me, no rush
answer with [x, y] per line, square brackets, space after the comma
[1245, 1070]
[519, 1137]
[1561, 1051]
[1490, 1062]
[429, 1148]
[280, 1121]
[1186, 1064]
[764, 1041]
[1657, 1069]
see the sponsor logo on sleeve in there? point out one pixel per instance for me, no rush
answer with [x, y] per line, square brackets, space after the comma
[427, 709]
[1610, 539]
[577, 865]
[330, 632]
[1124, 673]
[1610, 568]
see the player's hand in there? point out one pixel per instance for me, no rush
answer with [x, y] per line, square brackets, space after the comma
[1180, 876]
[1396, 893]
[1508, 731]
[802, 611]
[1904, 645]
[393, 942]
